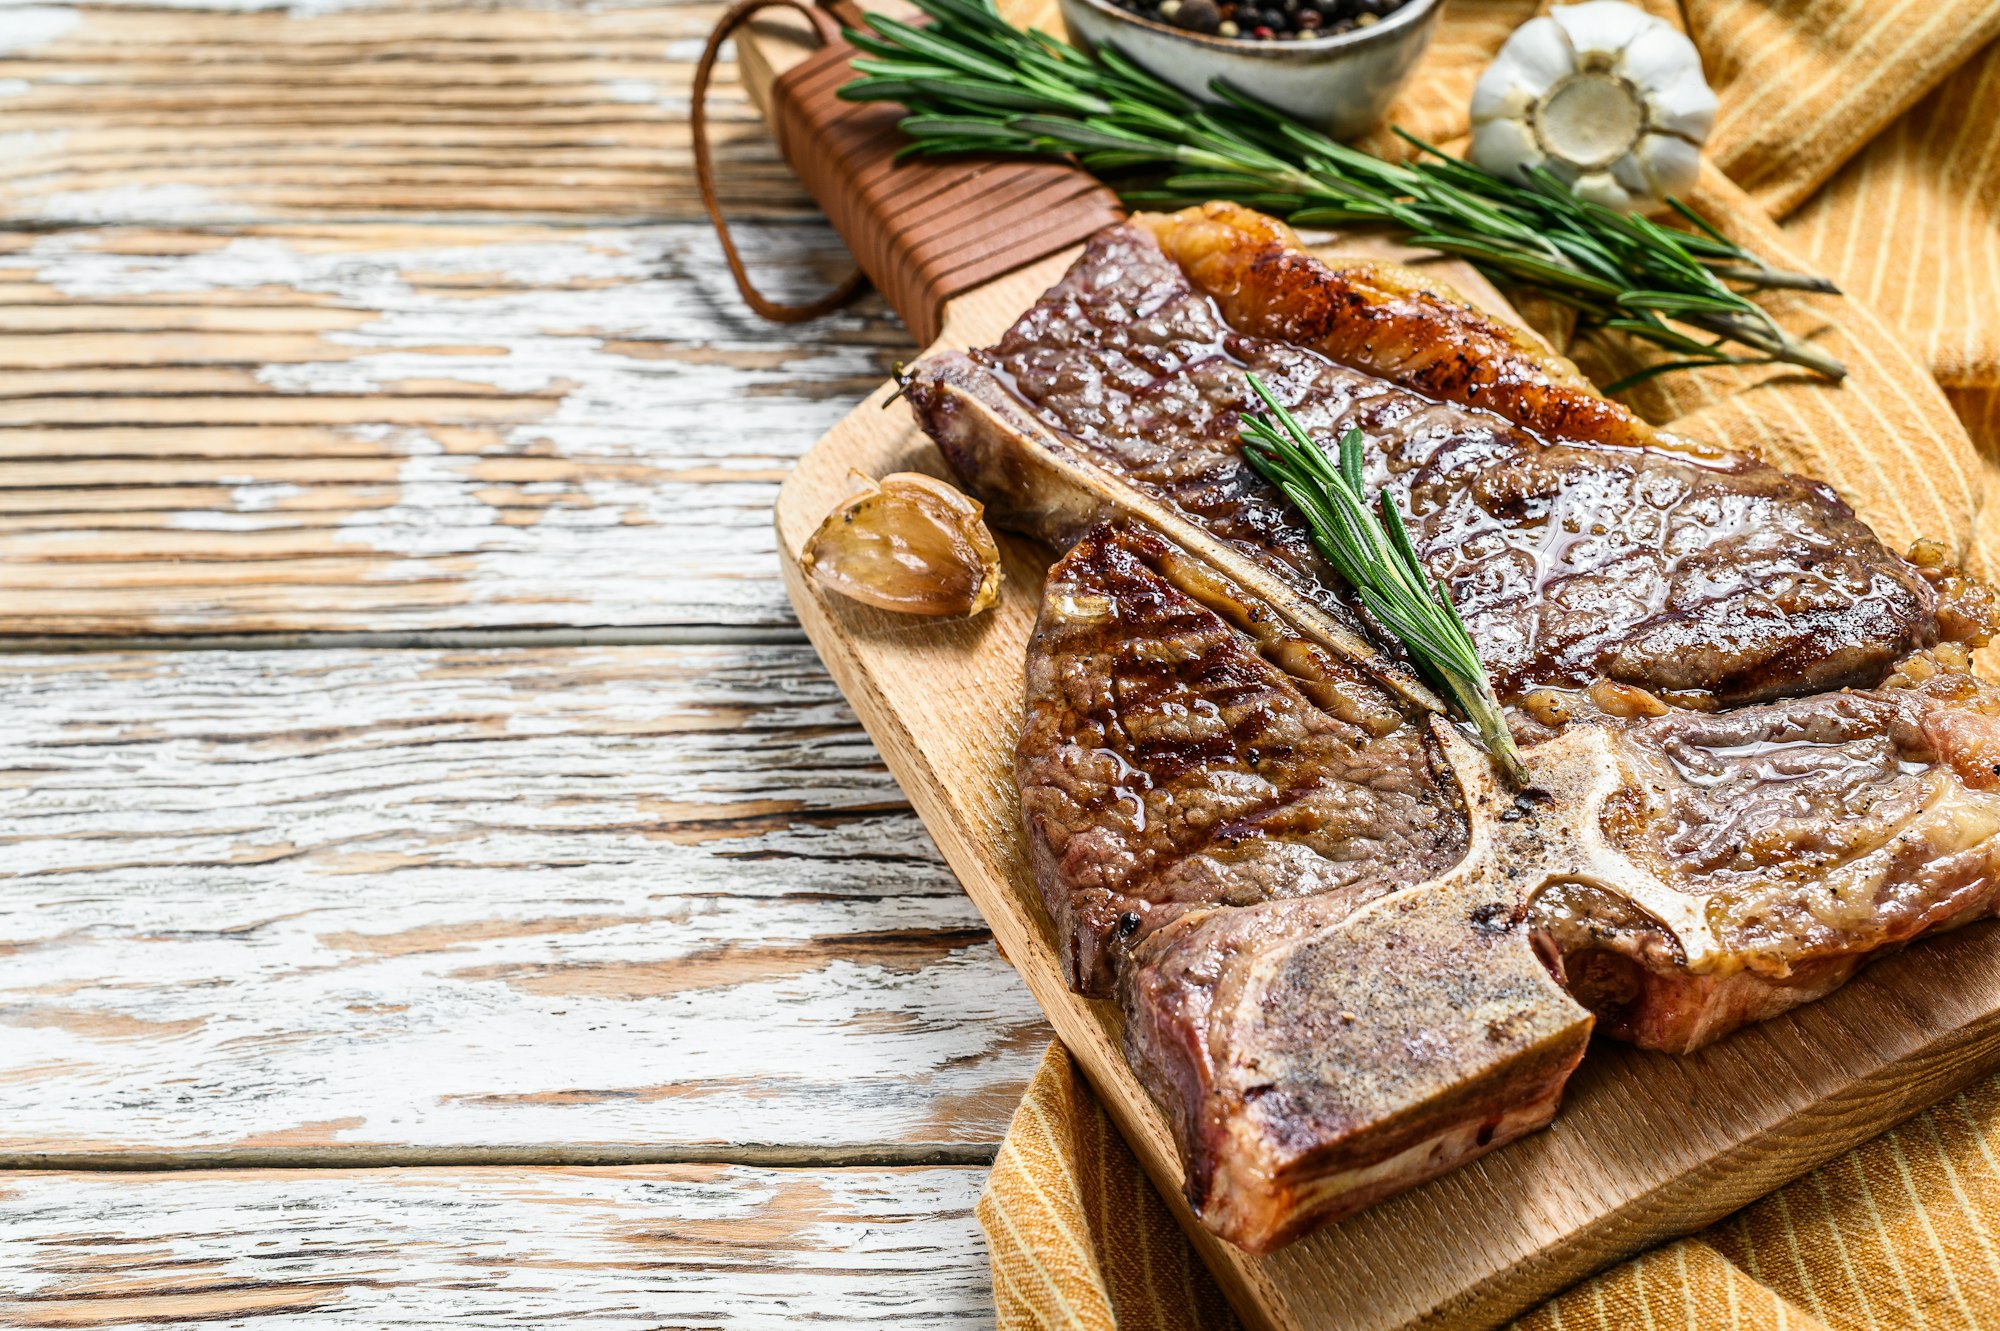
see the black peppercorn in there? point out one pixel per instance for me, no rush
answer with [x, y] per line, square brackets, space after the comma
[1198, 16]
[1264, 20]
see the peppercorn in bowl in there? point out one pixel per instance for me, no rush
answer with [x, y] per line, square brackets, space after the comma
[1333, 64]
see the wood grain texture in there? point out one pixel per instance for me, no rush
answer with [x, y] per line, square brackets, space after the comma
[563, 904]
[392, 428]
[1647, 1145]
[394, 317]
[216, 111]
[679, 1246]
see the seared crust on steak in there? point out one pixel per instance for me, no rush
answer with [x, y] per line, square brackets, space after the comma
[1349, 958]
[1166, 765]
[1315, 1063]
[1387, 320]
[1571, 560]
[1335, 938]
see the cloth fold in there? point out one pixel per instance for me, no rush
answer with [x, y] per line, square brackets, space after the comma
[1859, 139]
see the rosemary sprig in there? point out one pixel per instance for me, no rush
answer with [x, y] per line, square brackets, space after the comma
[974, 83]
[1378, 561]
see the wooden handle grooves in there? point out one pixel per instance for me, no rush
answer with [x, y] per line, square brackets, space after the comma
[924, 231]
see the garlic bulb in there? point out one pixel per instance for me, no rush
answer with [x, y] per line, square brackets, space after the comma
[908, 542]
[1610, 99]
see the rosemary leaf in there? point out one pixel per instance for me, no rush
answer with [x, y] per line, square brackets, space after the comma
[1374, 553]
[1659, 368]
[974, 83]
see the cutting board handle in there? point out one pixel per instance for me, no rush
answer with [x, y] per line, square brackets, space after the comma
[923, 230]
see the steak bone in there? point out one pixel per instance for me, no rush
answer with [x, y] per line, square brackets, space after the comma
[1313, 1075]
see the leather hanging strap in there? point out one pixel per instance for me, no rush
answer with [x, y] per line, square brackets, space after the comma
[924, 229]
[828, 29]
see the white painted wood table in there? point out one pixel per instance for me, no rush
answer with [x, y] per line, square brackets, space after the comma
[438, 884]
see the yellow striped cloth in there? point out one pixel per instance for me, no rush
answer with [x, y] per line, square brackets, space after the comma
[1859, 138]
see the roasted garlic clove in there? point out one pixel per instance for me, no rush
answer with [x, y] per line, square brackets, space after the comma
[1609, 99]
[908, 542]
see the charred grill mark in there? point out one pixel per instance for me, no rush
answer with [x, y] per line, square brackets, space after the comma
[1214, 800]
[1572, 561]
[1294, 772]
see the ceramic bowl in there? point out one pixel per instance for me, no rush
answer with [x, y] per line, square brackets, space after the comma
[1339, 84]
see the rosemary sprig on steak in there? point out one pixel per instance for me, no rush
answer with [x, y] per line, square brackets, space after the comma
[975, 83]
[1378, 561]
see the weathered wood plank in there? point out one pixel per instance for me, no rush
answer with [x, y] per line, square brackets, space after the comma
[250, 110]
[598, 903]
[631, 1247]
[395, 428]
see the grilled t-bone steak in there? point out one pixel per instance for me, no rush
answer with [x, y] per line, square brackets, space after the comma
[1349, 958]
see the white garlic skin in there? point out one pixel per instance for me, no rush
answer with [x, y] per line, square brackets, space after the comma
[1609, 99]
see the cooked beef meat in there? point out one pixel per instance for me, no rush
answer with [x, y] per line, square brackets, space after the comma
[1817, 831]
[1168, 766]
[1314, 1062]
[1348, 958]
[1386, 320]
[1204, 823]
[1662, 567]
[1333, 936]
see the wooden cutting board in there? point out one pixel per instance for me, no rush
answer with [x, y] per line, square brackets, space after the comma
[1647, 1145]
